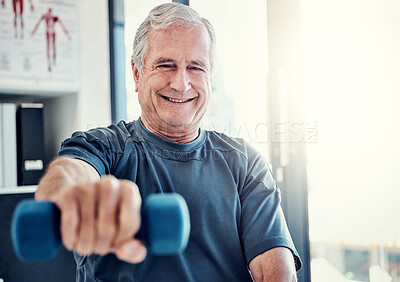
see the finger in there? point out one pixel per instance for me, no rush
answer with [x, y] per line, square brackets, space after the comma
[69, 208]
[87, 206]
[129, 211]
[132, 251]
[106, 221]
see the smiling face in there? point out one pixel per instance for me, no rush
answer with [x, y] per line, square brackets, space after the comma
[175, 84]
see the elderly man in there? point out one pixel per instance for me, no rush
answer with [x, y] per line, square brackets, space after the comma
[238, 229]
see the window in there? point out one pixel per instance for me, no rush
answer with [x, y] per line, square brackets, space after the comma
[352, 70]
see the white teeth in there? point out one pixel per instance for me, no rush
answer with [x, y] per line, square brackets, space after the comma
[177, 101]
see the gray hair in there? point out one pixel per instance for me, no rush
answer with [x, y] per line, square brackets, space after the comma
[163, 16]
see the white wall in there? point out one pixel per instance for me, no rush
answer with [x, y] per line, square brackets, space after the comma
[94, 105]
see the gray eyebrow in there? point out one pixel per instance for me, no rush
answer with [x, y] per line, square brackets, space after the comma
[198, 63]
[166, 60]
[163, 60]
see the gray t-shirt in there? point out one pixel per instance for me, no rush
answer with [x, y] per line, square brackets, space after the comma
[233, 200]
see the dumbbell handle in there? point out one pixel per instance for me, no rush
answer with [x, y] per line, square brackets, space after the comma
[165, 227]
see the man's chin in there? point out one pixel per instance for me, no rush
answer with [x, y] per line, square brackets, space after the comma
[176, 123]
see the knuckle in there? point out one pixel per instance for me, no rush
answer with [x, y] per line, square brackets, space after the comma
[108, 187]
[109, 177]
[108, 180]
[69, 219]
[86, 231]
[106, 232]
[131, 191]
[87, 223]
[84, 191]
[130, 224]
[64, 196]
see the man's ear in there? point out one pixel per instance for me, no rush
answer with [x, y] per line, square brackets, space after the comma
[136, 74]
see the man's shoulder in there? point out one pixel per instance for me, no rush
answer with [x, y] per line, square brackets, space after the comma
[121, 129]
[108, 136]
[222, 142]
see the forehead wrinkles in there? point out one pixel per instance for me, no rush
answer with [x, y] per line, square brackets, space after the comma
[156, 40]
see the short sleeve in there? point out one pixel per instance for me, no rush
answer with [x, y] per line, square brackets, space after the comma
[100, 147]
[263, 224]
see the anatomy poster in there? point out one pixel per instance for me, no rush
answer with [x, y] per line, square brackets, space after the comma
[39, 46]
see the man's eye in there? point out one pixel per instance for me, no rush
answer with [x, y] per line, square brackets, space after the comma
[166, 67]
[195, 68]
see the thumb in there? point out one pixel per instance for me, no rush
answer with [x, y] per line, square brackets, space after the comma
[132, 251]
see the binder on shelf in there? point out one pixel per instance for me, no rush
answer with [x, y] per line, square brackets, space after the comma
[9, 141]
[30, 143]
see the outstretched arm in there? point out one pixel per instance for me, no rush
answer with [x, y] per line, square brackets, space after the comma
[64, 28]
[98, 215]
[64, 171]
[275, 265]
[37, 25]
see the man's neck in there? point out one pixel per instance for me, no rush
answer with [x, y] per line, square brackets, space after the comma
[175, 134]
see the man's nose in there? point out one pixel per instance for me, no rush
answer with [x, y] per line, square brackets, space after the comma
[180, 81]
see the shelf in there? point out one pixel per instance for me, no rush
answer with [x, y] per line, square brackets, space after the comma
[18, 190]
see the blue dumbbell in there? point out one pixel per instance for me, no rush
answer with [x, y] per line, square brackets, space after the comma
[165, 227]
